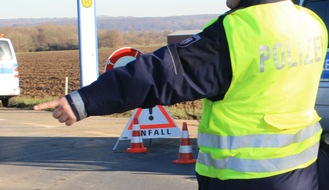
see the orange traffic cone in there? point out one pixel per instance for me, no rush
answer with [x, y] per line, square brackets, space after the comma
[185, 150]
[136, 144]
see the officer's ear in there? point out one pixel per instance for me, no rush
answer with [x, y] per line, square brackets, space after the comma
[232, 3]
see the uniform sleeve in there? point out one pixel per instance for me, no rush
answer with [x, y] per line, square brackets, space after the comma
[175, 73]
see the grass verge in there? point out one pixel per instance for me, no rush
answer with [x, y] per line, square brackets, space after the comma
[28, 103]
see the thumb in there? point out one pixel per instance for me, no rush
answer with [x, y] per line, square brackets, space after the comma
[47, 105]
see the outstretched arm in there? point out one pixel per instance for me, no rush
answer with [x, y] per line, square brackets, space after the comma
[194, 69]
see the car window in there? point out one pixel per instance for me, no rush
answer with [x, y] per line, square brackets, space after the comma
[5, 52]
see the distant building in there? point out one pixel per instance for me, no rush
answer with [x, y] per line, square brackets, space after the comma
[180, 35]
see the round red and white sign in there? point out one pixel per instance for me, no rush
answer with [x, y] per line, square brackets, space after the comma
[121, 57]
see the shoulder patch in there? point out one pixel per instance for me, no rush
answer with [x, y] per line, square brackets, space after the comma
[189, 41]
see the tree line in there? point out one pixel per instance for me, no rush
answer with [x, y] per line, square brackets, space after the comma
[65, 37]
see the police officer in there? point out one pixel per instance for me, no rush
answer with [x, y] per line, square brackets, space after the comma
[257, 69]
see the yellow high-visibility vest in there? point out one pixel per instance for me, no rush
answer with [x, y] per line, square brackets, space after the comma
[266, 124]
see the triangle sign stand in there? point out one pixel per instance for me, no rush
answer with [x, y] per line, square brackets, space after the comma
[154, 122]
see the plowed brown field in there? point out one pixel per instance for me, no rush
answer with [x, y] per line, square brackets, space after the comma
[42, 74]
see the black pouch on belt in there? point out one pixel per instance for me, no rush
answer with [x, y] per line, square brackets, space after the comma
[324, 143]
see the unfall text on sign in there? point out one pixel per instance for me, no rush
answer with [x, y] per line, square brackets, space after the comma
[155, 132]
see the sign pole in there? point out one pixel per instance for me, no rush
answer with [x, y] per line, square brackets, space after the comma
[88, 48]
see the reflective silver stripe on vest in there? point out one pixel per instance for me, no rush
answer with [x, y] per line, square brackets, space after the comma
[267, 165]
[257, 141]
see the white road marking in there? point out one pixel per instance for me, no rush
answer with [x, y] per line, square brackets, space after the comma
[41, 125]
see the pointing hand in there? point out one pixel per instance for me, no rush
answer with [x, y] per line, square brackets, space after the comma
[63, 112]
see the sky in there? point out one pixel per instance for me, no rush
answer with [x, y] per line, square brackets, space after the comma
[142, 8]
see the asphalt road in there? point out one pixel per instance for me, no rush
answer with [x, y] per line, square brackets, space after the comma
[38, 153]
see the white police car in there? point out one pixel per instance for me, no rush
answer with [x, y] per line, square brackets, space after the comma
[9, 77]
